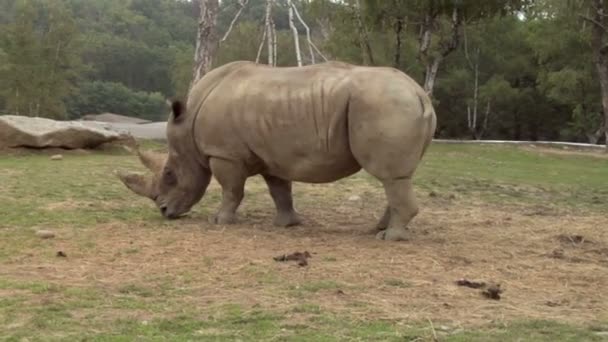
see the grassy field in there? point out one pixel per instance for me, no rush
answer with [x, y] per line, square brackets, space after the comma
[533, 220]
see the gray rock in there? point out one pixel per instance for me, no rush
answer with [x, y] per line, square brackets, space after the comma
[114, 118]
[45, 234]
[23, 131]
[152, 130]
[56, 157]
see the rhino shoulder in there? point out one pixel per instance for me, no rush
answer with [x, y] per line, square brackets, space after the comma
[217, 74]
[203, 87]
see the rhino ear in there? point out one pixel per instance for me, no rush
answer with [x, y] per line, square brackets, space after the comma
[138, 183]
[177, 107]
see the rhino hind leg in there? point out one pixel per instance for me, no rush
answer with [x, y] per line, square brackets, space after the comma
[280, 191]
[231, 178]
[403, 207]
[384, 220]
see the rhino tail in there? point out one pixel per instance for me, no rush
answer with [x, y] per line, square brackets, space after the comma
[426, 104]
[429, 116]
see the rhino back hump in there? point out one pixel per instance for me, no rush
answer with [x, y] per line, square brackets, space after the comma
[290, 122]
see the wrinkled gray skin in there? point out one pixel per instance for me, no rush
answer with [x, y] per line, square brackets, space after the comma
[312, 124]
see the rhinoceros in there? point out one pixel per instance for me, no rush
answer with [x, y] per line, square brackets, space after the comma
[310, 124]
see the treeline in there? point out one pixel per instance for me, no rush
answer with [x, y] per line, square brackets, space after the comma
[497, 69]
[68, 58]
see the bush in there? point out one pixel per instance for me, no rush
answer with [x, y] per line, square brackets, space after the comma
[100, 97]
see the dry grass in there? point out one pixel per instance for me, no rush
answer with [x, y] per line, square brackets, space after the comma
[125, 263]
[544, 276]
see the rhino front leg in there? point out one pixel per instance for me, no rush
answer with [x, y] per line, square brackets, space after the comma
[231, 177]
[280, 191]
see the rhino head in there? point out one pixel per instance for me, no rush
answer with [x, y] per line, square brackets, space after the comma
[177, 180]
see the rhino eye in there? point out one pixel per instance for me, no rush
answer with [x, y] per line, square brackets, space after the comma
[169, 177]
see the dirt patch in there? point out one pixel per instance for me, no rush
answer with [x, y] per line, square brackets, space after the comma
[192, 264]
[300, 257]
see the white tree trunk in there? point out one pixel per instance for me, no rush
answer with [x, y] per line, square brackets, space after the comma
[447, 46]
[294, 29]
[431, 75]
[310, 44]
[268, 28]
[257, 57]
[207, 41]
[242, 4]
[274, 43]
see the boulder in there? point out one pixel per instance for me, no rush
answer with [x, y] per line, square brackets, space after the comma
[23, 131]
[152, 130]
[114, 118]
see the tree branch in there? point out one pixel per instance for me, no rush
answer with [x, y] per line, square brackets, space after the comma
[242, 3]
[294, 29]
[274, 42]
[466, 45]
[257, 58]
[312, 54]
[593, 21]
[452, 44]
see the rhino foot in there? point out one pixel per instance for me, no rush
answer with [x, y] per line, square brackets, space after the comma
[222, 219]
[287, 220]
[384, 221]
[393, 235]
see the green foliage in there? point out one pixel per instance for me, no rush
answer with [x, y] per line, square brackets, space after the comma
[100, 97]
[533, 58]
[181, 69]
[565, 74]
[41, 60]
[50, 49]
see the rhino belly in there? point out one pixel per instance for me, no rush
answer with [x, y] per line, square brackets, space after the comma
[313, 166]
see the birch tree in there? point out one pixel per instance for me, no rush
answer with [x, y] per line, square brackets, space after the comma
[207, 40]
[312, 48]
[269, 35]
[438, 24]
[366, 49]
[599, 45]
[473, 61]
[294, 29]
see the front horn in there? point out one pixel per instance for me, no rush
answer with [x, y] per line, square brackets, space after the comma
[139, 184]
[152, 160]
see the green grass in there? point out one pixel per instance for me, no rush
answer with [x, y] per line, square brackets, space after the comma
[80, 192]
[507, 173]
[531, 331]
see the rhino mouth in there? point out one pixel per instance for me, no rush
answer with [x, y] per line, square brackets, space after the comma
[171, 214]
